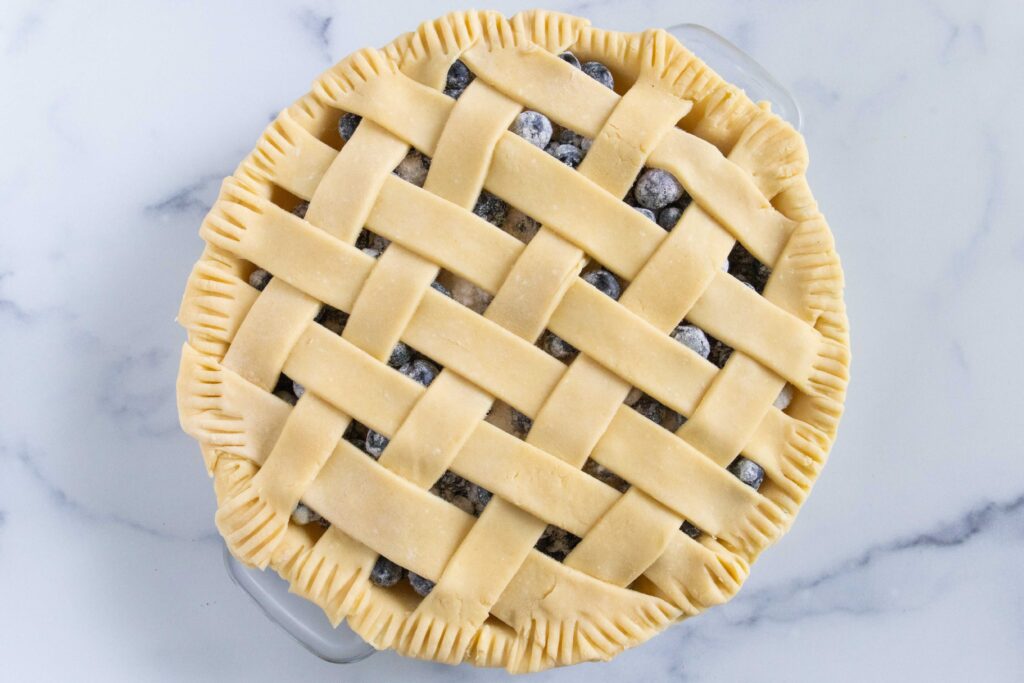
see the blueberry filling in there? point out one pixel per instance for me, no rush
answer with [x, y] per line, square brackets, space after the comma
[558, 347]
[421, 585]
[693, 338]
[600, 73]
[300, 209]
[386, 573]
[458, 79]
[570, 155]
[259, 279]
[375, 443]
[420, 370]
[520, 226]
[463, 494]
[602, 473]
[303, 515]
[556, 543]
[347, 124]
[533, 127]
[413, 168]
[400, 355]
[605, 282]
[332, 319]
[570, 58]
[491, 209]
[745, 267]
[690, 530]
[521, 424]
[747, 471]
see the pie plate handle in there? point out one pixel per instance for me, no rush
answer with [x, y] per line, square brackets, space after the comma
[736, 66]
[301, 619]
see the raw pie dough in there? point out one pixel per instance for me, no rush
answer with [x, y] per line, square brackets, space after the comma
[497, 600]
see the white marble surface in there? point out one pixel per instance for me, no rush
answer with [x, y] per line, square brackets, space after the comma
[120, 118]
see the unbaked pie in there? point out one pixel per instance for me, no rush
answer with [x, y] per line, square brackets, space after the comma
[515, 341]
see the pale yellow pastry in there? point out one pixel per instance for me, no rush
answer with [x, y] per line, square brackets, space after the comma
[572, 407]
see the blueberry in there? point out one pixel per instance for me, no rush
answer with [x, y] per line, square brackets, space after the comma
[720, 352]
[725, 266]
[347, 125]
[571, 58]
[421, 371]
[646, 212]
[690, 530]
[520, 226]
[556, 542]
[413, 168]
[376, 242]
[673, 420]
[533, 127]
[286, 396]
[558, 347]
[491, 209]
[746, 267]
[651, 409]
[471, 296]
[693, 338]
[479, 497]
[570, 155]
[605, 282]
[454, 93]
[747, 471]
[420, 585]
[441, 288]
[400, 355]
[784, 398]
[300, 209]
[303, 515]
[371, 252]
[298, 389]
[375, 443]
[520, 423]
[656, 189]
[386, 573]
[459, 75]
[332, 319]
[602, 473]
[259, 279]
[600, 73]
[669, 216]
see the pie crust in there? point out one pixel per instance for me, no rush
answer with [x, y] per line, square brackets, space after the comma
[497, 600]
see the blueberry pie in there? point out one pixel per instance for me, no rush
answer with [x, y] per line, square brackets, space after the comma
[515, 341]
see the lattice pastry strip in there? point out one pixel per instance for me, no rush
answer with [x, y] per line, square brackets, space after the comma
[497, 602]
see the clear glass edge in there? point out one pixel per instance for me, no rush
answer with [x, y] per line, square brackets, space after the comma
[733, 65]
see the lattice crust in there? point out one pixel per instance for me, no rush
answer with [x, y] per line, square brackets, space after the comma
[497, 600]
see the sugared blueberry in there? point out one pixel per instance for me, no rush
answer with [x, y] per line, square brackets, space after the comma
[647, 213]
[605, 282]
[459, 75]
[492, 209]
[479, 497]
[669, 216]
[656, 189]
[558, 347]
[400, 355]
[556, 542]
[413, 168]
[600, 73]
[520, 423]
[720, 352]
[421, 371]
[520, 226]
[332, 319]
[375, 443]
[599, 471]
[298, 389]
[386, 573]
[300, 209]
[784, 398]
[533, 127]
[747, 471]
[570, 58]
[347, 124]
[748, 268]
[420, 585]
[303, 515]
[693, 338]
[690, 530]
[259, 279]
[570, 155]
[651, 409]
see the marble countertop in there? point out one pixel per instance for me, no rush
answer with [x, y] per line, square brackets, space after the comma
[121, 118]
